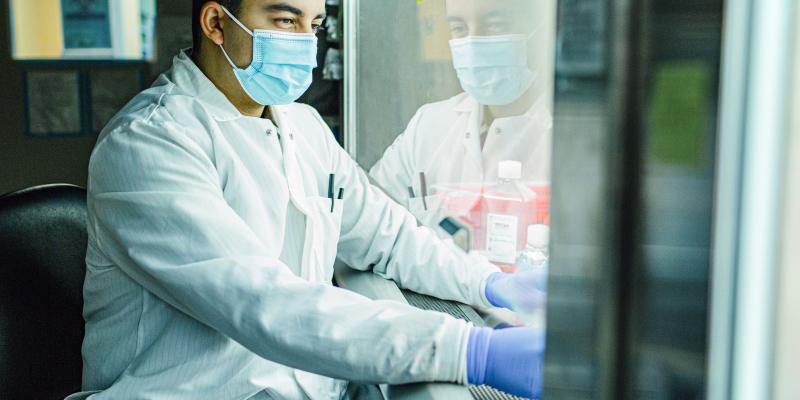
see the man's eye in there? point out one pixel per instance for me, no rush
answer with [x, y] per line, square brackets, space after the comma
[458, 30]
[284, 21]
[317, 27]
[496, 28]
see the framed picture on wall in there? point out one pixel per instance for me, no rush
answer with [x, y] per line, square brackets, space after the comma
[80, 100]
[87, 29]
[82, 30]
[53, 103]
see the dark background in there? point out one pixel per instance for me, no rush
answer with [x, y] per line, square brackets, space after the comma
[28, 160]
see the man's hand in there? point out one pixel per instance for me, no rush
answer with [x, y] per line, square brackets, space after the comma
[524, 292]
[507, 359]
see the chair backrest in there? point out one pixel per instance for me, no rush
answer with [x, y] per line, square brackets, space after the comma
[42, 253]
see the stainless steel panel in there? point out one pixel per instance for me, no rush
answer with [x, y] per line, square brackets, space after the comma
[633, 193]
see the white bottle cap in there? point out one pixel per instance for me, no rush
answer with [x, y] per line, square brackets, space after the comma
[509, 169]
[538, 236]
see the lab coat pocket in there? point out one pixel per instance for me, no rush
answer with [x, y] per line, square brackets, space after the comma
[327, 223]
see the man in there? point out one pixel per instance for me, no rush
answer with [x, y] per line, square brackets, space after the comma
[216, 209]
[502, 52]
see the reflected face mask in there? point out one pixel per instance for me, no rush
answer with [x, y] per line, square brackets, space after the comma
[493, 69]
[282, 65]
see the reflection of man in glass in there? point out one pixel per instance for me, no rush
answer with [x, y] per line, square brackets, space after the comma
[501, 52]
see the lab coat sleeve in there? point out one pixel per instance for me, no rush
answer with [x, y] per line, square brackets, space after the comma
[156, 205]
[379, 234]
[395, 169]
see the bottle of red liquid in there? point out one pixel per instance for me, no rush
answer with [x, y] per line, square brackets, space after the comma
[509, 207]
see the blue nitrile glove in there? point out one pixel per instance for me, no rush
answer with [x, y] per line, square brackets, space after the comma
[506, 359]
[523, 292]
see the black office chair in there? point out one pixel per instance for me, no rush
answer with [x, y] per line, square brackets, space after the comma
[42, 251]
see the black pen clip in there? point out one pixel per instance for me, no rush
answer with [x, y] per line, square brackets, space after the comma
[423, 185]
[331, 179]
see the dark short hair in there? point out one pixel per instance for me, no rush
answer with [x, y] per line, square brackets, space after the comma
[233, 6]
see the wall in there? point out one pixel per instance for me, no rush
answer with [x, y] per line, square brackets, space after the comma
[28, 161]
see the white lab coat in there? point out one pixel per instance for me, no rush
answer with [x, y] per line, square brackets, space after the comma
[211, 247]
[443, 140]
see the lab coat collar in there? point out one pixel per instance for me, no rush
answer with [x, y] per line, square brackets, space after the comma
[468, 105]
[291, 165]
[187, 76]
[473, 112]
[309, 268]
[469, 108]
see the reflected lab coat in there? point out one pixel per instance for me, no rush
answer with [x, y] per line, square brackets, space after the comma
[211, 251]
[443, 140]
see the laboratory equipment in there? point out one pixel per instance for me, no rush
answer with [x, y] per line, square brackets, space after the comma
[535, 254]
[459, 231]
[508, 210]
[464, 202]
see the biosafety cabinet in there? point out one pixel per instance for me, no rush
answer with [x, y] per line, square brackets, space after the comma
[668, 186]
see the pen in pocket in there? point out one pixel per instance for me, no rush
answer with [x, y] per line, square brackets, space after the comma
[331, 179]
[424, 188]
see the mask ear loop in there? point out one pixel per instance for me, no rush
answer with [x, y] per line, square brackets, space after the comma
[241, 25]
[225, 53]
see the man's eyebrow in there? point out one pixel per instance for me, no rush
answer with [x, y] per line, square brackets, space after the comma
[284, 7]
[498, 14]
[455, 19]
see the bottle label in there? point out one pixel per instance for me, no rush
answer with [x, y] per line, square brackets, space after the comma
[501, 238]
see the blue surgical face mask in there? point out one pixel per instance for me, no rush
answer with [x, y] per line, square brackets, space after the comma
[493, 69]
[282, 65]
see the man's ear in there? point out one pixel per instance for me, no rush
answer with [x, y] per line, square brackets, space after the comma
[211, 16]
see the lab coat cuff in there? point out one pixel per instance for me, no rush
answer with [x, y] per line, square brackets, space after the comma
[462, 377]
[488, 270]
[450, 361]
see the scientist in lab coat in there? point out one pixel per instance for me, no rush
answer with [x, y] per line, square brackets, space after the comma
[502, 52]
[217, 207]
